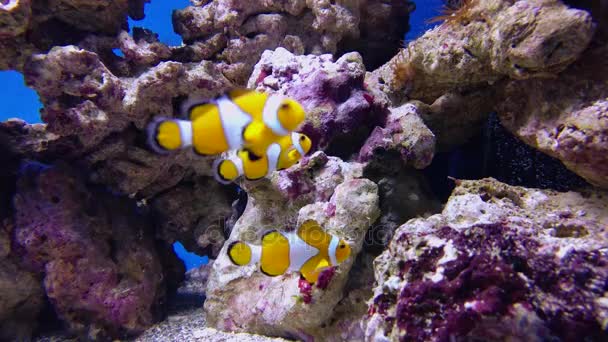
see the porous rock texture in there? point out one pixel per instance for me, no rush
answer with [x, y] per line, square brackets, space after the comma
[500, 262]
[322, 188]
[487, 40]
[21, 294]
[572, 125]
[340, 112]
[96, 257]
[30, 26]
[521, 59]
[235, 33]
[186, 213]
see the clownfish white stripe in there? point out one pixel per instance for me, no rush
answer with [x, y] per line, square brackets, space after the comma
[295, 140]
[299, 251]
[238, 163]
[256, 254]
[273, 152]
[185, 132]
[233, 121]
[333, 246]
[271, 115]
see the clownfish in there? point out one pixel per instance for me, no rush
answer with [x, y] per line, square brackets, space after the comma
[240, 119]
[280, 155]
[308, 250]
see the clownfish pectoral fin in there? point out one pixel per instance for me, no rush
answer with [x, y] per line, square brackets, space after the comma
[293, 156]
[169, 134]
[228, 170]
[239, 253]
[323, 264]
[252, 133]
[311, 275]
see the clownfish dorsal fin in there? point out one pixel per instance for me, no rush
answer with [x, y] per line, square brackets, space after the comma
[275, 253]
[197, 110]
[311, 232]
[238, 92]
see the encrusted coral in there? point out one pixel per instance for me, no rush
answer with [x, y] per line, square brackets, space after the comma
[573, 125]
[336, 197]
[29, 27]
[490, 40]
[96, 257]
[236, 33]
[500, 262]
[340, 110]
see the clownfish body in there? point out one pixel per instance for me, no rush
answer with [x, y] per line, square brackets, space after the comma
[240, 119]
[308, 250]
[280, 155]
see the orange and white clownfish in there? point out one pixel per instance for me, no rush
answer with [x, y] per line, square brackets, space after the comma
[280, 155]
[308, 250]
[239, 119]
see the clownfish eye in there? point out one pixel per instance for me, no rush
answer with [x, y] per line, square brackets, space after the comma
[285, 105]
[342, 246]
[302, 138]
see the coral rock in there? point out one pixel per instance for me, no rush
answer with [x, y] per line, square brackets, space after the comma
[32, 26]
[94, 113]
[340, 111]
[236, 33]
[186, 213]
[500, 262]
[404, 134]
[566, 117]
[21, 294]
[101, 272]
[244, 299]
[486, 41]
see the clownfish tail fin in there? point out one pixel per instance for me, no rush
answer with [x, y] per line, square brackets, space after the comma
[166, 134]
[239, 253]
[227, 170]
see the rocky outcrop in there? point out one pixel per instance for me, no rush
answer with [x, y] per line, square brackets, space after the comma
[21, 294]
[28, 27]
[236, 33]
[404, 135]
[98, 262]
[572, 123]
[485, 41]
[340, 111]
[321, 188]
[186, 213]
[499, 262]
[103, 116]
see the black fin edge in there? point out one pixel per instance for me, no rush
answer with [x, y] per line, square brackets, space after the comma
[230, 246]
[216, 172]
[152, 132]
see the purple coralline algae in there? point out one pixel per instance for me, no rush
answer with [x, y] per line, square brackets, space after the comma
[500, 262]
[340, 111]
[98, 262]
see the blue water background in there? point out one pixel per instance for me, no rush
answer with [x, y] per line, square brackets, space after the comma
[19, 101]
